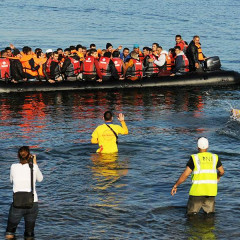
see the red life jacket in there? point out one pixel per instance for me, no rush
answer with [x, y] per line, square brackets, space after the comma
[118, 62]
[104, 66]
[182, 45]
[137, 69]
[48, 65]
[4, 68]
[153, 68]
[186, 63]
[76, 65]
[89, 66]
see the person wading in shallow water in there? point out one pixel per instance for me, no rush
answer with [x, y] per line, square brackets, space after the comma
[20, 176]
[206, 171]
[106, 135]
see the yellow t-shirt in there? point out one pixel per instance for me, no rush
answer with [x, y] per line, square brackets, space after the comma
[106, 138]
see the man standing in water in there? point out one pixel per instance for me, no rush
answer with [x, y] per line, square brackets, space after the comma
[206, 171]
[106, 135]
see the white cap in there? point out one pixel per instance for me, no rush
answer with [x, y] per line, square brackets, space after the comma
[202, 143]
[49, 50]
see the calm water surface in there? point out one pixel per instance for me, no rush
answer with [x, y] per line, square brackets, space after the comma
[126, 196]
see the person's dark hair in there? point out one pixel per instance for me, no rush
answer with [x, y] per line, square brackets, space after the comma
[196, 36]
[48, 55]
[59, 49]
[178, 36]
[116, 54]
[146, 48]
[149, 49]
[67, 50]
[3, 52]
[16, 52]
[108, 116]
[177, 47]
[72, 48]
[26, 49]
[24, 154]
[157, 45]
[78, 46]
[38, 53]
[55, 52]
[8, 48]
[125, 49]
[108, 45]
[92, 45]
[92, 50]
[107, 54]
[85, 48]
[37, 50]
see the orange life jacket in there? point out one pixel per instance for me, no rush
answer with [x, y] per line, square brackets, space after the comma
[200, 54]
[37, 61]
[26, 65]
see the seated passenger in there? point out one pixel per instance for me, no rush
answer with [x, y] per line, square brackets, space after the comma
[163, 62]
[150, 68]
[71, 65]
[84, 51]
[136, 49]
[4, 66]
[30, 67]
[90, 67]
[16, 68]
[125, 55]
[172, 55]
[79, 49]
[40, 60]
[53, 69]
[181, 62]
[107, 67]
[154, 49]
[182, 44]
[119, 64]
[9, 51]
[134, 68]
[60, 55]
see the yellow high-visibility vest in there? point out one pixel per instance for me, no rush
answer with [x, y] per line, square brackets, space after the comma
[204, 175]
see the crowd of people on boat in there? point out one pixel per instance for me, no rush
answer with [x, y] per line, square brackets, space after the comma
[80, 63]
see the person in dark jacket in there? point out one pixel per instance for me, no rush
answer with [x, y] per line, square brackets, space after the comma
[181, 62]
[195, 55]
[68, 69]
[16, 69]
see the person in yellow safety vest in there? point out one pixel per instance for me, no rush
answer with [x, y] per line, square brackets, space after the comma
[106, 135]
[206, 171]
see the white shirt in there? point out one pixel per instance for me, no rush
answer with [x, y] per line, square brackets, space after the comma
[20, 176]
[162, 58]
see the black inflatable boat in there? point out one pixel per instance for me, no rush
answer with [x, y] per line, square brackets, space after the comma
[214, 78]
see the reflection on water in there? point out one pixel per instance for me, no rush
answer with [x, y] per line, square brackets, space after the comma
[107, 172]
[126, 195]
[201, 227]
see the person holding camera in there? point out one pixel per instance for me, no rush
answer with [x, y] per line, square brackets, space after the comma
[24, 175]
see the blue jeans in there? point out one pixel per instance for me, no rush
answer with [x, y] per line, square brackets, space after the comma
[15, 216]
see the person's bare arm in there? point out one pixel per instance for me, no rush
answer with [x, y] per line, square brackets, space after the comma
[182, 179]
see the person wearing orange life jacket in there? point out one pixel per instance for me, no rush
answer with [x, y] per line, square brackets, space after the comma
[71, 65]
[40, 60]
[136, 49]
[172, 55]
[181, 63]
[163, 61]
[4, 66]
[90, 67]
[107, 67]
[195, 55]
[134, 68]
[30, 68]
[206, 169]
[150, 68]
[119, 64]
[181, 43]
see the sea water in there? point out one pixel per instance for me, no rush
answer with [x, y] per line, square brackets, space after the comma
[125, 196]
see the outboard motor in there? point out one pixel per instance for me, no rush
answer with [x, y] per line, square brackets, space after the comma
[212, 64]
